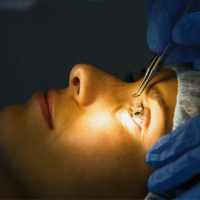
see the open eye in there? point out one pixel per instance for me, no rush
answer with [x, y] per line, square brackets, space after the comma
[138, 113]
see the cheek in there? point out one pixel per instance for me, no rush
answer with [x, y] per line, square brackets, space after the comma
[98, 147]
[24, 140]
[95, 131]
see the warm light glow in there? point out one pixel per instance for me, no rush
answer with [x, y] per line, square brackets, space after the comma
[126, 119]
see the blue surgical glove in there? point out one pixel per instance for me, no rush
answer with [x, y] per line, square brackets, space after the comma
[176, 157]
[192, 194]
[165, 24]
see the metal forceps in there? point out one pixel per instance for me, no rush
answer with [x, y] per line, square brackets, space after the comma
[158, 61]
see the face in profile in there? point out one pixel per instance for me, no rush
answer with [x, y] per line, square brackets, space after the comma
[99, 140]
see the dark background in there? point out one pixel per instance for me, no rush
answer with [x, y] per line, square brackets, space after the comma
[39, 46]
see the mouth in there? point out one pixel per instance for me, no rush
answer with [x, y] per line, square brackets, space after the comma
[43, 103]
[51, 98]
[49, 110]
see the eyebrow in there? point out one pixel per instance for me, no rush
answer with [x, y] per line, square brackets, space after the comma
[153, 92]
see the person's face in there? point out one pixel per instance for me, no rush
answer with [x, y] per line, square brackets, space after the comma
[99, 140]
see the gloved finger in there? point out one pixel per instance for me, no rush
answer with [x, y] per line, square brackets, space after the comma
[173, 145]
[187, 30]
[196, 63]
[161, 17]
[175, 173]
[183, 54]
[192, 194]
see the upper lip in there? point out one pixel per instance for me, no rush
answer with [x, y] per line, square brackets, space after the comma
[51, 101]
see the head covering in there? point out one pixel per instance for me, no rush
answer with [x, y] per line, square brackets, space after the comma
[187, 106]
[188, 98]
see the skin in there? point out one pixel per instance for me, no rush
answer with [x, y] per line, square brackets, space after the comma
[90, 152]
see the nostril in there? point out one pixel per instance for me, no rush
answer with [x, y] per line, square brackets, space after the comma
[76, 82]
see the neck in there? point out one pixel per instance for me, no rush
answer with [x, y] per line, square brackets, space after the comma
[8, 184]
[7, 188]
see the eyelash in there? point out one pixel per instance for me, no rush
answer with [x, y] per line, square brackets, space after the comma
[140, 108]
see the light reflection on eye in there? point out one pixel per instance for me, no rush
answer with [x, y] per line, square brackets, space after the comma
[132, 116]
[138, 115]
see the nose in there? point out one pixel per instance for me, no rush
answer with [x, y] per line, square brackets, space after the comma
[84, 82]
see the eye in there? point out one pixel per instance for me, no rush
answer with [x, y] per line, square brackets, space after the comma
[138, 115]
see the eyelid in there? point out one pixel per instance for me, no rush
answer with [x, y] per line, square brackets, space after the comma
[129, 122]
[133, 117]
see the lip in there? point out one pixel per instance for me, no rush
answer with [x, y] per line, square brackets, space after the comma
[51, 97]
[46, 104]
[1, 119]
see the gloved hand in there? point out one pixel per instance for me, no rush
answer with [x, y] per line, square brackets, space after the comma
[165, 24]
[192, 194]
[177, 157]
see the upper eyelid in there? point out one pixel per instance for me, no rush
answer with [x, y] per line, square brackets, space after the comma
[139, 105]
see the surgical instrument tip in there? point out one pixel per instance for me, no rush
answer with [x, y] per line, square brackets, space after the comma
[136, 95]
[152, 70]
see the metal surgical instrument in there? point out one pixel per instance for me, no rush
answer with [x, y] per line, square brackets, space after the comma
[158, 61]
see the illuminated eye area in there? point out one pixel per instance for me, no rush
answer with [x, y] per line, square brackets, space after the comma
[134, 118]
[138, 114]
